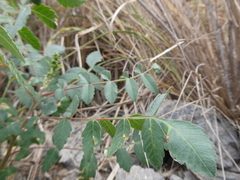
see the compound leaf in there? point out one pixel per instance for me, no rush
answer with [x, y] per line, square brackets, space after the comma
[72, 107]
[153, 142]
[110, 92]
[27, 35]
[121, 135]
[106, 75]
[149, 83]
[46, 14]
[94, 58]
[88, 166]
[190, 145]
[61, 133]
[87, 93]
[109, 127]
[7, 42]
[49, 107]
[71, 3]
[124, 159]
[132, 88]
[95, 79]
[138, 147]
[51, 158]
[137, 123]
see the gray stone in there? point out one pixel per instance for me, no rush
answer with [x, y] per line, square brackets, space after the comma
[175, 177]
[138, 173]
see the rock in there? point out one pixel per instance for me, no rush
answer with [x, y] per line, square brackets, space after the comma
[228, 176]
[175, 177]
[138, 173]
[189, 176]
[205, 117]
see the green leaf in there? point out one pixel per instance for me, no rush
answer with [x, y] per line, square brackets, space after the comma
[109, 127]
[149, 83]
[139, 69]
[22, 154]
[37, 2]
[46, 14]
[72, 107]
[51, 158]
[91, 137]
[6, 19]
[124, 159]
[95, 79]
[61, 133]
[110, 92]
[76, 70]
[84, 77]
[138, 147]
[106, 75]
[27, 35]
[132, 88]
[125, 75]
[98, 69]
[88, 166]
[50, 50]
[20, 21]
[190, 145]
[94, 58]
[153, 142]
[49, 106]
[71, 3]
[157, 68]
[8, 107]
[62, 106]
[59, 94]
[8, 171]
[137, 123]
[72, 92]
[121, 135]
[87, 93]
[8, 44]
[155, 105]
[13, 128]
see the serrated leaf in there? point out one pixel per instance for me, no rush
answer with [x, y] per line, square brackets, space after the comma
[61, 133]
[110, 92]
[91, 137]
[93, 58]
[28, 36]
[139, 69]
[50, 50]
[6, 19]
[87, 93]
[72, 92]
[71, 3]
[95, 79]
[138, 147]
[137, 123]
[13, 128]
[121, 135]
[76, 70]
[124, 159]
[59, 94]
[106, 75]
[190, 145]
[155, 105]
[109, 127]
[8, 44]
[149, 83]
[153, 142]
[98, 69]
[69, 77]
[84, 77]
[132, 88]
[88, 166]
[49, 107]
[51, 158]
[20, 21]
[46, 14]
[62, 106]
[72, 107]
[8, 171]
[124, 75]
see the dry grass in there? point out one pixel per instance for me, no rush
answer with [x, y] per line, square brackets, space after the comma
[203, 69]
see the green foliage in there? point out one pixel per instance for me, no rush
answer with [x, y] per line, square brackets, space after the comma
[52, 94]
[46, 14]
[8, 44]
[61, 133]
